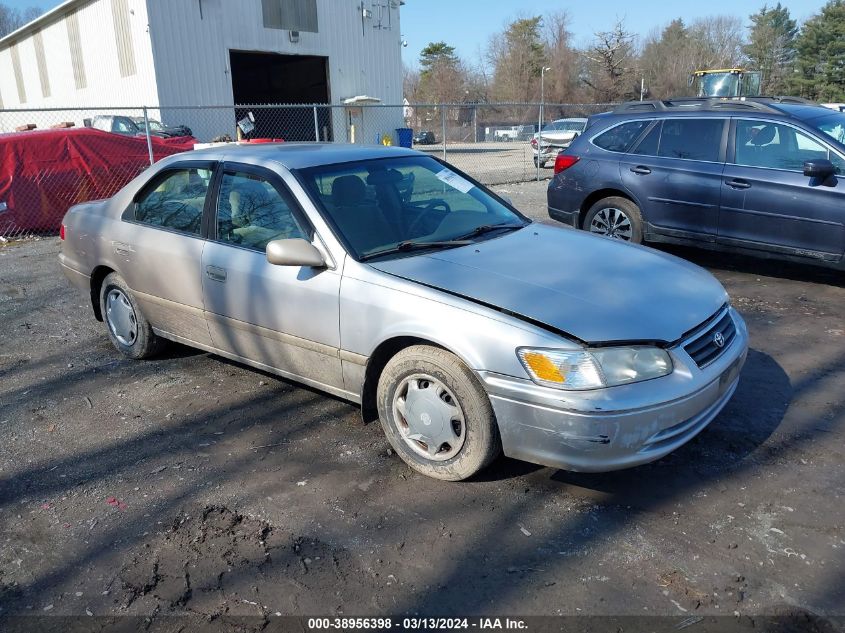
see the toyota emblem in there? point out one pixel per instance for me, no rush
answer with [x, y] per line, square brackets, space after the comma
[718, 339]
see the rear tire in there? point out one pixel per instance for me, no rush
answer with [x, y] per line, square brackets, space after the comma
[617, 218]
[436, 415]
[128, 329]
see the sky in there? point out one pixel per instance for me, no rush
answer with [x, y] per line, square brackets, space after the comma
[468, 24]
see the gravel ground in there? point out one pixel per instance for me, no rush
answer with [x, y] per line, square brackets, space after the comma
[190, 484]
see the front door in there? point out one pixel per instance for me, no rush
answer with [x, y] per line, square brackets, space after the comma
[675, 173]
[767, 201]
[282, 317]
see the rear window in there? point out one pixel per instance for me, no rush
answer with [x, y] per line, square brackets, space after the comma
[175, 200]
[620, 137]
[692, 139]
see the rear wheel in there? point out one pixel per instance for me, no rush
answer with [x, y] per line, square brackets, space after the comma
[128, 330]
[436, 415]
[616, 218]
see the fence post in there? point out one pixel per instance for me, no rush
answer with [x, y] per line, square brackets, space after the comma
[475, 123]
[316, 126]
[149, 140]
[443, 128]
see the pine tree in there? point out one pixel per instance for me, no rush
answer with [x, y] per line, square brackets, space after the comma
[820, 63]
[771, 46]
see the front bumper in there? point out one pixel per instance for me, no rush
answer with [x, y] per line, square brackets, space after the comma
[618, 427]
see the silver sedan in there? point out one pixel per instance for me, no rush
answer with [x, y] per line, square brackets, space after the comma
[389, 278]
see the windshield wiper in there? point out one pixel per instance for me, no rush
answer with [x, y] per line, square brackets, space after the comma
[412, 245]
[488, 228]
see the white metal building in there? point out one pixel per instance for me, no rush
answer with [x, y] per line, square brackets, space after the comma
[114, 53]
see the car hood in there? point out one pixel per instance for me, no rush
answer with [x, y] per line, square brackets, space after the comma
[595, 289]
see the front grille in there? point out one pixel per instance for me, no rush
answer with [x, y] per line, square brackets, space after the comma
[703, 347]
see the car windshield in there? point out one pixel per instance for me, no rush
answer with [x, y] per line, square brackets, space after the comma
[831, 124]
[388, 205]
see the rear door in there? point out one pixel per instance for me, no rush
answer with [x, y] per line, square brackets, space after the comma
[284, 317]
[159, 246]
[768, 203]
[675, 173]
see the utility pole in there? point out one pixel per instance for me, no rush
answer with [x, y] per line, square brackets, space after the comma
[540, 118]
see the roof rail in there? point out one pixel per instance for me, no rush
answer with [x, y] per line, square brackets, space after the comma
[786, 99]
[707, 103]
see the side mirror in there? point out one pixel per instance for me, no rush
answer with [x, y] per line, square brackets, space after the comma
[820, 168]
[294, 252]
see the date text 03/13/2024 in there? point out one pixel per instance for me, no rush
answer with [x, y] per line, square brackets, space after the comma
[415, 623]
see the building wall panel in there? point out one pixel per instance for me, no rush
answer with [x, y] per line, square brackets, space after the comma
[83, 60]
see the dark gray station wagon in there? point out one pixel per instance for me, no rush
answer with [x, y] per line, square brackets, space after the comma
[764, 176]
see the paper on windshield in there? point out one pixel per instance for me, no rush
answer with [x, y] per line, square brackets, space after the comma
[454, 180]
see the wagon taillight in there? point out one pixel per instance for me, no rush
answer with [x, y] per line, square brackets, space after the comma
[62, 232]
[564, 161]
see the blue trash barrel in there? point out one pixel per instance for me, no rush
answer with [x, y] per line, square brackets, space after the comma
[405, 136]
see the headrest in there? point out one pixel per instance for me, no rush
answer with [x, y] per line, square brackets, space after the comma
[348, 190]
[765, 136]
[384, 177]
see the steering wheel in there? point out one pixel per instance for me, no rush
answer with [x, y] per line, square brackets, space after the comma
[430, 205]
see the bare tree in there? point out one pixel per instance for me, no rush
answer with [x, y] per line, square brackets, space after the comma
[517, 56]
[610, 62]
[718, 41]
[562, 83]
[12, 19]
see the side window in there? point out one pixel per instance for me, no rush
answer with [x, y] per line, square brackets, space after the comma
[838, 163]
[692, 139]
[651, 143]
[774, 146]
[251, 212]
[124, 125]
[175, 200]
[620, 138]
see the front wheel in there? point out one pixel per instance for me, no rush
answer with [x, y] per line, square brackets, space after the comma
[616, 218]
[436, 415]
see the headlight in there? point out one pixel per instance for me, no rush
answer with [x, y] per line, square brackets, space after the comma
[596, 368]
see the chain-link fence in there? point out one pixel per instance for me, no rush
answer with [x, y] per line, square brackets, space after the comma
[51, 159]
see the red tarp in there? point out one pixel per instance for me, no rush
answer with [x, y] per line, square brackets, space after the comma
[45, 172]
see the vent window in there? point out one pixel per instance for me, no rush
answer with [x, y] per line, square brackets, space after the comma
[290, 15]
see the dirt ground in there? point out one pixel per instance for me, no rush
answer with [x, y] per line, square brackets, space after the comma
[190, 484]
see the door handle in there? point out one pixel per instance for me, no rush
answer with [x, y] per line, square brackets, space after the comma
[642, 171]
[738, 183]
[215, 273]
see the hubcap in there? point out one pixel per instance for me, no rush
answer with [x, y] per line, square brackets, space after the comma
[121, 317]
[612, 222]
[429, 418]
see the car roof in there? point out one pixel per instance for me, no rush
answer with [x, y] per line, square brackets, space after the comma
[297, 155]
[778, 107]
[572, 118]
[806, 112]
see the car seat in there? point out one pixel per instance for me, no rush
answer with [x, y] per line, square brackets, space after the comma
[360, 220]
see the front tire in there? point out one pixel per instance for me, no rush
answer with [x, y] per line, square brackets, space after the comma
[616, 218]
[436, 415]
[128, 329]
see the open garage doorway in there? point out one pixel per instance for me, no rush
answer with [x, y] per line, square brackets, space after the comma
[271, 78]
